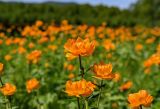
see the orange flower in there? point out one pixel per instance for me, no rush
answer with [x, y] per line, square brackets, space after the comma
[70, 67]
[21, 50]
[117, 77]
[142, 98]
[79, 88]
[1, 41]
[52, 47]
[103, 71]
[8, 57]
[32, 84]
[64, 22]
[74, 48]
[43, 40]
[71, 76]
[31, 45]
[109, 45]
[39, 23]
[8, 89]
[1, 68]
[126, 86]
[138, 47]
[34, 56]
[154, 59]
[150, 40]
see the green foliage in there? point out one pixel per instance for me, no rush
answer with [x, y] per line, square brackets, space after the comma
[21, 14]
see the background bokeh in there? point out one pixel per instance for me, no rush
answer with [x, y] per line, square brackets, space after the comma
[127, 35]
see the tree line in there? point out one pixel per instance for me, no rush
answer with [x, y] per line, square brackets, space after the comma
[144, 12]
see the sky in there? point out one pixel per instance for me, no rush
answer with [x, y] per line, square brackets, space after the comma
[119, 3]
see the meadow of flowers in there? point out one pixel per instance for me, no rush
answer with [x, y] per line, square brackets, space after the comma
[44, 66]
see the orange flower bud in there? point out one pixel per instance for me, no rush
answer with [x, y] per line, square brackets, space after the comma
[138, 47]
[126, 86]
[71, 76]
[117, 77]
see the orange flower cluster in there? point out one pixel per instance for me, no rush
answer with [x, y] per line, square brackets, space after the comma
[21, 50]
[74, 48]
[34, 56]
[108, 45]
[141, 98]
[103, 71]
[8, 89]
[32, 84]
[79, 88]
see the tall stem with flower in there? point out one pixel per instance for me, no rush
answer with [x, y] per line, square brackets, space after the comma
[102, 72]
[7, 89]
[82, 88]
[100, 91]
[79, 48]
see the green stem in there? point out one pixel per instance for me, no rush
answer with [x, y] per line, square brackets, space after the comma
[39, 105]
[140, 106]
[86, 104]
[81, 67]
[78, 103]
[8, 103]
[1, 81]
[100, 91]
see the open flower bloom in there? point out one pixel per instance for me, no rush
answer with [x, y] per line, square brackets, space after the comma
[74, 48]
[79, 88]
[103, 71]
[1, 68]
[141, 98]
[32, 84]
[8, 89]
[34, 56]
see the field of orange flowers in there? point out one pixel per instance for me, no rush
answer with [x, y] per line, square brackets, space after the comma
[44, 66]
